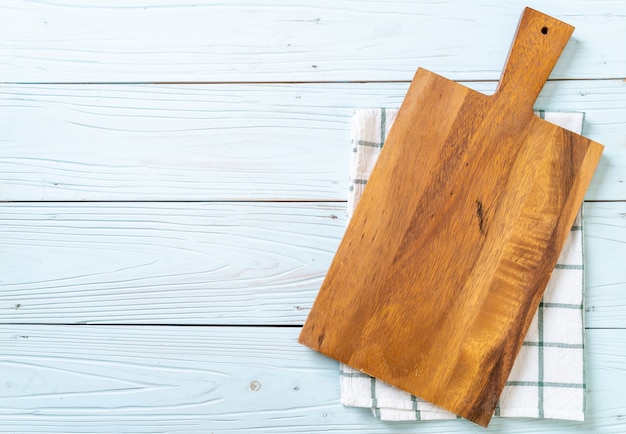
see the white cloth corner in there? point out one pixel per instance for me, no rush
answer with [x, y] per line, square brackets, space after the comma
[547, 379]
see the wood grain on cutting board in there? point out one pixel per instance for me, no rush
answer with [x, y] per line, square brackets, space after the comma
[447, 256]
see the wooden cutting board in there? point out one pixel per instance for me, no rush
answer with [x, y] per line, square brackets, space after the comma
[445, 260]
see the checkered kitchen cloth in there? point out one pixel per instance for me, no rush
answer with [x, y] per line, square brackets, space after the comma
[547, 378]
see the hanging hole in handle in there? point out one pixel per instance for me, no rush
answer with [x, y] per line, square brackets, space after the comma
[544, 30]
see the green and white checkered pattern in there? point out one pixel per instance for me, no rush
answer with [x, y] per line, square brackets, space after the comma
[547, 378]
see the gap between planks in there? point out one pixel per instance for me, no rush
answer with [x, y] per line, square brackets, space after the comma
[250, 326]
[256, 83]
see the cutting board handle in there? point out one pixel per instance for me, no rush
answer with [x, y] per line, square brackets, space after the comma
[538, 43]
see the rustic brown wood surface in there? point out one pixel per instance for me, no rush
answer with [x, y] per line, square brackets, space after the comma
[446, 258]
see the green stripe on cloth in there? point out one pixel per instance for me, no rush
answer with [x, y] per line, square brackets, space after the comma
[550, 345]
[418, 415]
[353, 374]
[540, 383]
[374, 400]
[370, 144]
[383, 125]
[546, 384]
[568, 267]
[561, 305]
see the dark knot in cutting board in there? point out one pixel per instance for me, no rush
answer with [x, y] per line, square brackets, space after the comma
[481, 218]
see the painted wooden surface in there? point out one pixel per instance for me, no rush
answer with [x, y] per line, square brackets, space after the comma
[306, 40]
[178, 263]
[225, 141]
[213, 263]
[101, 379]
[161, 243]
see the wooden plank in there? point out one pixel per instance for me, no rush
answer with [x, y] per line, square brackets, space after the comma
[226, 379]
[213, 263]
[605, 264]
[164, 263]
[322, 40]
[225, 142]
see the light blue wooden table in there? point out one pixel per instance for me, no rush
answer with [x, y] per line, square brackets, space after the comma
[173, 180]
